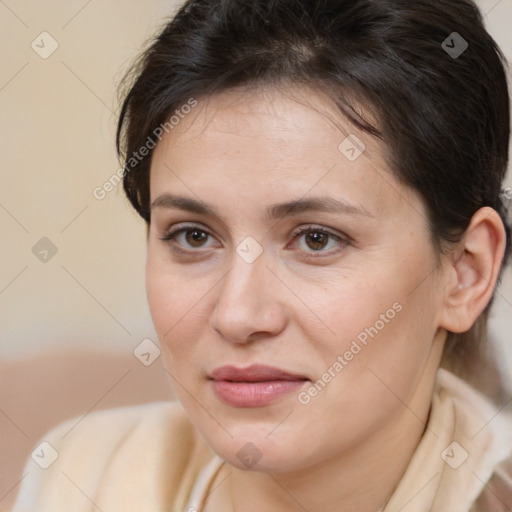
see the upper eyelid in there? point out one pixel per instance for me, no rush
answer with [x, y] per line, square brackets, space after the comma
[296, 231]
[175, 230]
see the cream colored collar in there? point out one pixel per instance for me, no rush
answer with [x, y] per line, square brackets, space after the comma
[465, 439]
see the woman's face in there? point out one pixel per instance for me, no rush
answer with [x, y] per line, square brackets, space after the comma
[297, 306]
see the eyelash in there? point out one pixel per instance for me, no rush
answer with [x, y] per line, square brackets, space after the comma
[344, 241]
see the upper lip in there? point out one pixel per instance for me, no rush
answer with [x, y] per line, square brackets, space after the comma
[254, 373]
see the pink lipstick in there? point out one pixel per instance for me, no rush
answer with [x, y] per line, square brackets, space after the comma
[254, 386]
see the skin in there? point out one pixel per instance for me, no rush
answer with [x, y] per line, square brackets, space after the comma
[348, 447]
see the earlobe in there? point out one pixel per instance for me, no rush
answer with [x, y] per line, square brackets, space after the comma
[475, 272]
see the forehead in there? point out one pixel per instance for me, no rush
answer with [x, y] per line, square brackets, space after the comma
[265, 144]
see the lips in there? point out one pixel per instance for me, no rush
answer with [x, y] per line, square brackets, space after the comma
[255, 386]
[254, 373]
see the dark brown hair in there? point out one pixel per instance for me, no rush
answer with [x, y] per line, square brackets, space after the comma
[440, 98]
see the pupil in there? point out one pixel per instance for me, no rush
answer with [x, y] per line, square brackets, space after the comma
[317, 238]
[197, 236]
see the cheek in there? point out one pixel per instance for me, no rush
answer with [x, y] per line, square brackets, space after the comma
[373, 366]
[158, 291]
[166, 294]
[166, 310]
[177, 306]
[380, 318]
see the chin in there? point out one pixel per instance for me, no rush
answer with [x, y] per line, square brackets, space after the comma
[259, 453]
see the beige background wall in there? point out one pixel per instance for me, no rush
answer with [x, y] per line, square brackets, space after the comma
[57, 144]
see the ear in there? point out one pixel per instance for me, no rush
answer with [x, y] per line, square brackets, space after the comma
[473, 275]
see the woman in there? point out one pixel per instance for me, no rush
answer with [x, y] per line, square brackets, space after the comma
[321, 183]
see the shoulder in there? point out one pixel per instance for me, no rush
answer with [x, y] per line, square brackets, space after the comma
[106, 431]
[485, 430]
[103, 454]
[477, 415]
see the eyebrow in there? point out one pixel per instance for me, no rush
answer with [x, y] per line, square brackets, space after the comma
[275, 211]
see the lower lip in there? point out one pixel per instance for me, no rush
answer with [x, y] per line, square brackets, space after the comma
[254, 394]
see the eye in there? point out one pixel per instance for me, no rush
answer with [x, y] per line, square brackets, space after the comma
[188, 238]
[317, 239]
[191, 237]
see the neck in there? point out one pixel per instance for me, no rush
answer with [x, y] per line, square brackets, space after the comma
[360, 479]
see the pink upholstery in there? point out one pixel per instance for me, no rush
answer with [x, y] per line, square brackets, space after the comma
[39, 392]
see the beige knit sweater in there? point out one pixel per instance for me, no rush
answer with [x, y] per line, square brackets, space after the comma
[148, 457]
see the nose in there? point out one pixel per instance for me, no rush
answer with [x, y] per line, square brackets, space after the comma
[250, 302]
